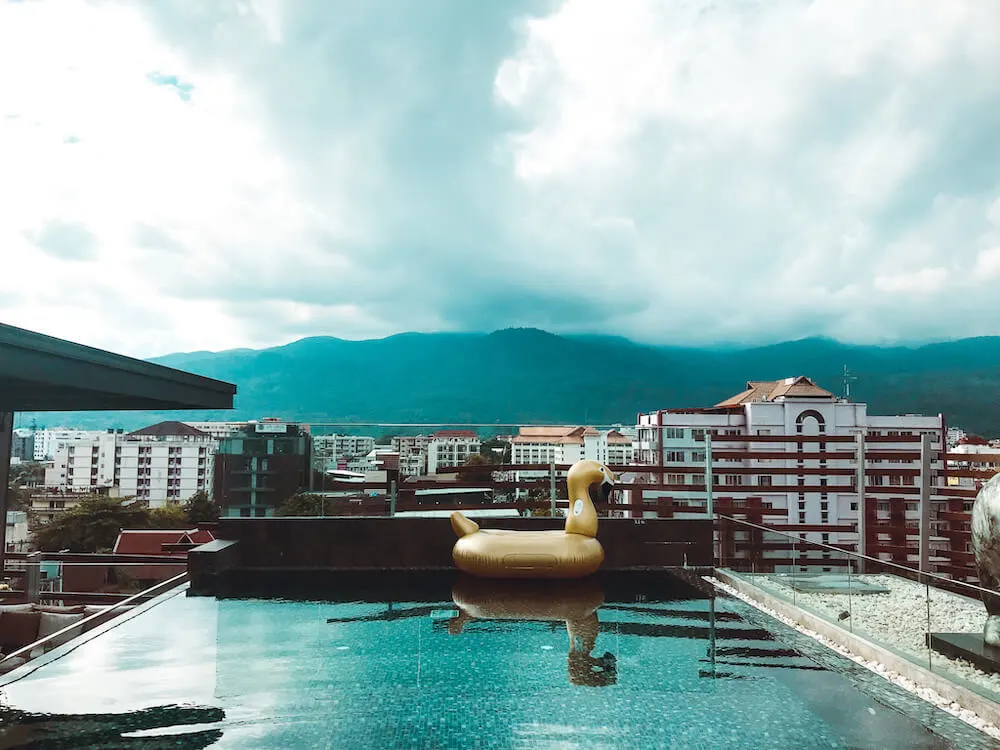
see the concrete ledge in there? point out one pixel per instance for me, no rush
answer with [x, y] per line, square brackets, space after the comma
[983, 706]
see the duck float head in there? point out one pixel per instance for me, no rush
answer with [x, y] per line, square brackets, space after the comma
[573, 552]
[986, 546]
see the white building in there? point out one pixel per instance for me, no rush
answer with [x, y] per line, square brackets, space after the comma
[449, 448]
[167, 462]
[48, 441]
[330, 450]
[17, 531]
[793, 406]
[567, 445]
[218, 430]
[83, 464]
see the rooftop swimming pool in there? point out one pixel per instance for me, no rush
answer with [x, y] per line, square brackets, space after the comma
[451, 662]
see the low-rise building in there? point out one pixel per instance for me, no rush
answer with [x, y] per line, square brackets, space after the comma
[450, 448]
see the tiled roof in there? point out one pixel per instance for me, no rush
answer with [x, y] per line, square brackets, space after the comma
[169, 429]
[455, 434]
[151, 541]
[769, 390]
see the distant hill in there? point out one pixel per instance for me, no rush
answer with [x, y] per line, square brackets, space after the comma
[530, 376]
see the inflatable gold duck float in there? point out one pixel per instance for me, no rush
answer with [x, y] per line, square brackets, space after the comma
[571, 553]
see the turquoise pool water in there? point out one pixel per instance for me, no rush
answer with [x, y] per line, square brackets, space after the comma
[589, 666]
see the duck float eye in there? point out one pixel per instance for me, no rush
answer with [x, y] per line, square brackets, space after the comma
[504, 553]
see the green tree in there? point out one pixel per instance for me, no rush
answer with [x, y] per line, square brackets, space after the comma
[483, 473]
[171, 516]
[495, 450]
[302, 504]
[200, 509]
[92, 525]
[23, 477]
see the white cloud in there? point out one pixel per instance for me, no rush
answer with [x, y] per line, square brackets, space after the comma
[186, 176]
[923, 280]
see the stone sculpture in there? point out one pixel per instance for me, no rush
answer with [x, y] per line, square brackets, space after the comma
[986, 547]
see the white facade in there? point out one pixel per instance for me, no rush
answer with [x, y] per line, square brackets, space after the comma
[17, 531]
[48, 441]
[158, 469]
[567, 445]
[328, 450]
[217, 430]
[677, 438]
[164, 472]
[83, 464]
[449, 449]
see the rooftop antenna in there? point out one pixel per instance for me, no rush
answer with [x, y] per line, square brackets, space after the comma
[848, 379]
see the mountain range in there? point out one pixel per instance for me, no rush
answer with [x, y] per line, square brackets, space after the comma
[529, 376]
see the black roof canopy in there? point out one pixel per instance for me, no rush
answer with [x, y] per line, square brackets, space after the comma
[42, 373]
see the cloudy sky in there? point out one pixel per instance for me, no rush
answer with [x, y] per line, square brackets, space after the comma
[203, 175]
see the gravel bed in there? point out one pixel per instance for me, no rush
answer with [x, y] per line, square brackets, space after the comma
[898, 619]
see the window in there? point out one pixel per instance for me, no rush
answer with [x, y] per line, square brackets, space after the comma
[674, 456]
[912, 506]
[802, 517]
[824, 506]
[734, 480]
[822, 482]
[883, 506]
[854, 506]
[698, 435]
[675, 479]
[673, 433]
[764, 480]
[802, 505]
[698, 457]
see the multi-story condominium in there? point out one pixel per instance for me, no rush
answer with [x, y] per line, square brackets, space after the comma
[164, 463]
[260, 467]
[47, 442]
[23, 445]
[813, 480]
[448, 448]
[83, 464]
[218, 430]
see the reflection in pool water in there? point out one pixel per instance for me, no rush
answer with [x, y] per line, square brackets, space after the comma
[573, 602]
[22, 729]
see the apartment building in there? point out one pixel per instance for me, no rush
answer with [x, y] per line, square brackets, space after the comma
[163, 463]
[815, 481]
[569, 444]
[48, 441]
[449, 448]
[261, 466]
[335, 451]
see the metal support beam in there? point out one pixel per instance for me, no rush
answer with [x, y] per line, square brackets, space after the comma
[859, 479]
[926, 457]
[6, 445]
[709, 509]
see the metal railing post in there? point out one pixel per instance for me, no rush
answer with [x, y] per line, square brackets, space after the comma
[708, 475]
[925, 502]
[33, 576]
[859, 479]
[392, 498]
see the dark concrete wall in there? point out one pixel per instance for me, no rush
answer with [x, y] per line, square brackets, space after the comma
[399, 543]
